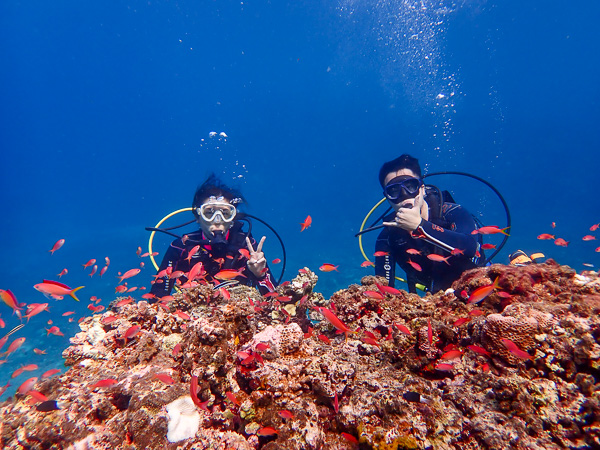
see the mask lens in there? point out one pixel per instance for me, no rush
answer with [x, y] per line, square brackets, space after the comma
[401, 188]
[224, 211]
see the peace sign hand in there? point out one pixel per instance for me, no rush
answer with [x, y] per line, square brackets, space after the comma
[257, 262]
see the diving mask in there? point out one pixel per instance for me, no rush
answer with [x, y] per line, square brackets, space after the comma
[217, 209]
[402, 188]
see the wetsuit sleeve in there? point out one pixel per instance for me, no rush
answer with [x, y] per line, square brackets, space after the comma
[385, 266]
[458, 236]
[171, 258]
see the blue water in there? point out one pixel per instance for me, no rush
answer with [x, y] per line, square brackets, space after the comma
[107, 109]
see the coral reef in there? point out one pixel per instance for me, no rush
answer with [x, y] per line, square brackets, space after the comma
[518, 370]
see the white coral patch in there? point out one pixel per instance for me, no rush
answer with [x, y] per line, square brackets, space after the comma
[184, 419]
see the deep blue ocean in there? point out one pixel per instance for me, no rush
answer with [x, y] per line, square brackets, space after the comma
[108, 110]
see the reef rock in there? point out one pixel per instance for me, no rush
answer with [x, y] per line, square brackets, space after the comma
[217, 370]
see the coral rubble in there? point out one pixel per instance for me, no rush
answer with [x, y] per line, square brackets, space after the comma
[517, 370]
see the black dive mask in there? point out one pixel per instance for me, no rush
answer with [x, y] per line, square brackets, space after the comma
[402, 188]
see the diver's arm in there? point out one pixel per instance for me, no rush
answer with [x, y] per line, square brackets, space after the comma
[446, 239]
[385, 266]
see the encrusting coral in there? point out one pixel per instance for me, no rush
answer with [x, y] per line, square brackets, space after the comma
[394, 371]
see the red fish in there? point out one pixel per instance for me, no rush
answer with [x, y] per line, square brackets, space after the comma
[107, 260]
[387, 289]
[125, 301]
[262, 346]
[194, 394]
[36, 310]
[515, 350]
[457, 251]
[130, 273]
[334, 320]
[94, 269]
[373, 294]
[58, 244]
[349, 437]
[328, 268]
[56, 289]
[597, 249]
[164, 377]
[107, 382]
[492, 229]
[561, 242]
[285, 414]
[109, 319]
[336, 405]
[414, 265]
[131, 332]
[402, 328]
[588, 237]
[412, 251]
[482, 292]
[594, 227]
[429, 332]
[370, 341]
[452, 354]
[461, 321]
[37, 351]
[378, 254]
[307, 223]
[54, 330]
[91, 262]
[14, 345]
[324, 338]
[276, 261]
[488, 246]
[231, 396]
[480, 350]
[367, 264]
[27, 385]
[192, 252]
[181, 315]
[50, 372]
[267, 431]
[546, 236]
[244, 252]
[62, 272]
[444, 367]
[476, 312]
[438, 258]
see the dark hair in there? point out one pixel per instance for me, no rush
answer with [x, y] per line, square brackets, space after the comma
[402, 162]
[214, 187]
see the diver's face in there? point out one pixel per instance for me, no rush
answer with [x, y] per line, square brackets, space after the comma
[410, 202]
[209, 228]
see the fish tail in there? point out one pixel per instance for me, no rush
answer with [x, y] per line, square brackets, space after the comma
[72, 293]
[504, 232]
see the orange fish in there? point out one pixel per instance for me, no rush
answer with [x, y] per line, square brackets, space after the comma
[307, 223]
[14, 345]
[103, 271]
[438, 258]
[63, 272]
[229, 274]
[27, 385]
[130, 273]
[57, 245]
[561, 242]
[9, 298]
[285, 414]
[380, 254]
[367, 264]
[412, 251]
[589, 238]
[192, 252]
[414, 265]
[546, 236]
[231, 396]
[164, 377]
[36, 310]
[482, 292]
[492, 229]
[328, 268]
[37, 351]
[387, 289]
[131, 332]
[373, 294]
[594, 227]
[56, 289]
[245, 253]
[94, 269]
[50, 372]
[457, 251]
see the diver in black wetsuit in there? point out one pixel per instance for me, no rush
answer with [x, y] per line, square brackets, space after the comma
[221, 244]
[426, 222]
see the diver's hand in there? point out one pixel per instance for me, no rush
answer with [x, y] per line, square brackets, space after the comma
[257, 262]
[408, 217]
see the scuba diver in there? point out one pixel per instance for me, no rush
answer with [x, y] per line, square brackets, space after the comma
[220, 244]
[428, 235]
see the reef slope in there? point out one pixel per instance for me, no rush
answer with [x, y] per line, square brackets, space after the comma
[272, 373]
